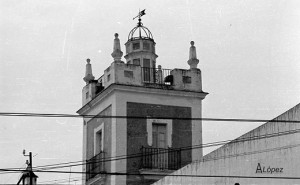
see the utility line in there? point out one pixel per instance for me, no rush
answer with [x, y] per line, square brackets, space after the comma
[183, 148]
[170, 175]
[221, 157]
[121, 157]
[62, 180]
[118, 173]
[23, 114]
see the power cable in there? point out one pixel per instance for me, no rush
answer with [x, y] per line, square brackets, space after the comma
[23, 114]
[82, 162]
[10, 177]
[118, 173]
[170, 175]
[121, 157]
[184, 148]
[61, 180]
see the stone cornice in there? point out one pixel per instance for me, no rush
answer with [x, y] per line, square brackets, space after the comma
[137, 89]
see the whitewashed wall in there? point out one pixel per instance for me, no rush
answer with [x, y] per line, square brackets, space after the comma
[274, 157]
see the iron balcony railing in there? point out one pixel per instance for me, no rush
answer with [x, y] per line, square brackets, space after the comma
[160, 158]
[155, 75]
[94, 166]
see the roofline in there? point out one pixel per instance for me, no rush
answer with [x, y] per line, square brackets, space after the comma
[114, 86]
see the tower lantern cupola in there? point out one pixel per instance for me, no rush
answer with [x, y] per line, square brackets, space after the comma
[140, 47]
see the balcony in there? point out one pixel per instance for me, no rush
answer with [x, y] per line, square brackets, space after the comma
[160, 158]
[95, 166]
[156, 76]
[136, 75]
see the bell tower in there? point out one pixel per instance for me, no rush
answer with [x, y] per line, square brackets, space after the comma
[138, 117]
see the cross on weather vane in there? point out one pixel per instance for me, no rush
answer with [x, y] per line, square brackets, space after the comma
[141, 13]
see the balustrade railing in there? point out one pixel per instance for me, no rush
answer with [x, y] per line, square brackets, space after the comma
[94, 166]
[160, 158]
[155, 75]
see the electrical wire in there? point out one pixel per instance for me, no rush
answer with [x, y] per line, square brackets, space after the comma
[10, 176]
[61, 180]
[209, 144]
[12, 170]
[23, 114]
[163, 175]
[121, 157]
[184, 148]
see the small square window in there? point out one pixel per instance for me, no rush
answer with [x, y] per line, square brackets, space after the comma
[187, 79]
[146, 62]
[128, 74]
[136, 46]
[136, 61]
[146, 46]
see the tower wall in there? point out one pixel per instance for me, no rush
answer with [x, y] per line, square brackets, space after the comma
[173, 103]
[105, 124]
[137, 134]
[139, 89]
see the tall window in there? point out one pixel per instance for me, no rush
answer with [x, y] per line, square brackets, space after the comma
[159, 141]
[159, 132]
[98, 142]
[127, 48]
[146, 69]
[159, 136]
[98, 139]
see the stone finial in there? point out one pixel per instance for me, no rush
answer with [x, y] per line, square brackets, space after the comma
[88, 72]
[117, 53]
[193, 61]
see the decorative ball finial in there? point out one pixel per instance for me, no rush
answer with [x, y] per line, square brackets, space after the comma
[88, 72]
[193, 61]
[117, 53]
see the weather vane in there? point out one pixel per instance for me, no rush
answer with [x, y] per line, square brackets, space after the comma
[141, 13]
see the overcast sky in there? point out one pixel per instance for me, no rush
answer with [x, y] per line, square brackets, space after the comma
[248, 51]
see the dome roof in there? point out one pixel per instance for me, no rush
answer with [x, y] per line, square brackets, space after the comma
[140, 32]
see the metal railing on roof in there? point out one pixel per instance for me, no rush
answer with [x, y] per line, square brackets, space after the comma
[155, 75]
